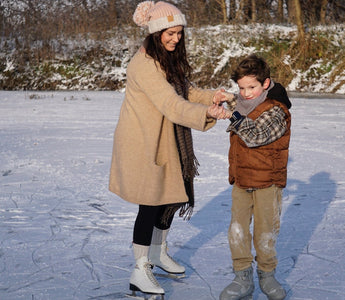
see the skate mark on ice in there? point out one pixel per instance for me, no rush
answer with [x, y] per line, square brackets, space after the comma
[6, 173]
[100, 208]
[87, 261]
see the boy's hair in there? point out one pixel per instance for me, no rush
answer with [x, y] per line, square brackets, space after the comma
[252, 65]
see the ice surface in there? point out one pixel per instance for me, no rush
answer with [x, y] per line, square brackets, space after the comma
[63, 235]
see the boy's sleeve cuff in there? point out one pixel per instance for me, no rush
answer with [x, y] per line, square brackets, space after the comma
[235, 121]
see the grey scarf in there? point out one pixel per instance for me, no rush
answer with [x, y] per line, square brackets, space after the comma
[245, 107]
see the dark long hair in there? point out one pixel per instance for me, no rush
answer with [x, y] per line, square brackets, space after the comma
[174, 63]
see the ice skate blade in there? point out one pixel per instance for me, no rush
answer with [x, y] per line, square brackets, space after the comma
[170, 275]
[145, 296]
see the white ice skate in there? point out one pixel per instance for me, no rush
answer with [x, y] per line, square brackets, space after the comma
[159, 257]
[143, 280]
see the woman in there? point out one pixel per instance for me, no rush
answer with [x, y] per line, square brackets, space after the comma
[153, 162]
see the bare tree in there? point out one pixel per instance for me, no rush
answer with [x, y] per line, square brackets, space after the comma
[232, 9]
[243, 11]
[323, 10]
[336, 10]
[280, 12]
[254, 14]
[291, 11]
[299, 20]
[196, 12]
[222, 5]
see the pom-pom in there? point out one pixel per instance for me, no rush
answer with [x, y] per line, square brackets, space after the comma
[141, 15]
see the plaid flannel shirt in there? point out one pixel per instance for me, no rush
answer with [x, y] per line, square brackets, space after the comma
[268, 127]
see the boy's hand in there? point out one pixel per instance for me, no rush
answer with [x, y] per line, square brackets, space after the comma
[218, 112]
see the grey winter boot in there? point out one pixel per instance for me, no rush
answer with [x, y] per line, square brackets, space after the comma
[270, 286]
[242, 287]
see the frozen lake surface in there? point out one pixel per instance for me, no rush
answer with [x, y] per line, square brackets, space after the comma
[63, 235]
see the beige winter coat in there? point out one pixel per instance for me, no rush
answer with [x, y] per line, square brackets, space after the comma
[145, 166]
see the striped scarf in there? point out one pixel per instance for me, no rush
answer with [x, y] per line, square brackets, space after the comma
[189, 164]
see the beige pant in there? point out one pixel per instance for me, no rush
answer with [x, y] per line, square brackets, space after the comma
[265, 206]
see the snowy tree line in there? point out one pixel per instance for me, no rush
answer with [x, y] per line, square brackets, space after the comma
[37, 19]
[86, 44]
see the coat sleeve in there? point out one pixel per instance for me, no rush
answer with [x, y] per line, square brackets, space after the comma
[203, 96]
[151, 80]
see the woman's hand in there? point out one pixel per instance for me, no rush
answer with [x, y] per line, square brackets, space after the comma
[218, 112]
[222, 96]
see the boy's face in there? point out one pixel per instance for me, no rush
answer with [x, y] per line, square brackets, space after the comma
[251, 88]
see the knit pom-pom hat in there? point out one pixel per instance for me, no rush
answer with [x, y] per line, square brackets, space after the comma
[158, 16]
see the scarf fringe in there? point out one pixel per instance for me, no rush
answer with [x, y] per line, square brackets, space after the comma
[189, 171]
[186, 212]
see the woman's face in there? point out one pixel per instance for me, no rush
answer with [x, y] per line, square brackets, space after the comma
[170, 37]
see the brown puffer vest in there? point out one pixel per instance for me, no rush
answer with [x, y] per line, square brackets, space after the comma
[263, 166]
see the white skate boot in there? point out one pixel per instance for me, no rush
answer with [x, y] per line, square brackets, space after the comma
[143, 280]
[159, 257]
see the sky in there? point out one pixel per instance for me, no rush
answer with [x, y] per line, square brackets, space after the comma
[63, 235]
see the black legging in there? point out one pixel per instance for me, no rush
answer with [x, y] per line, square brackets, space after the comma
[147, 218]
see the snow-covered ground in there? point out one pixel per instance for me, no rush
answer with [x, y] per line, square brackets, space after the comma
[63, 235]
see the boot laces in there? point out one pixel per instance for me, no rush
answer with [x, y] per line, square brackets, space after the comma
[149, 274]
[245, 275]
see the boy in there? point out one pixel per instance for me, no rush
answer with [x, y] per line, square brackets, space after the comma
[258, 156]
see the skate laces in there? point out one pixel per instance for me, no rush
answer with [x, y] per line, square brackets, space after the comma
[149, 274]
